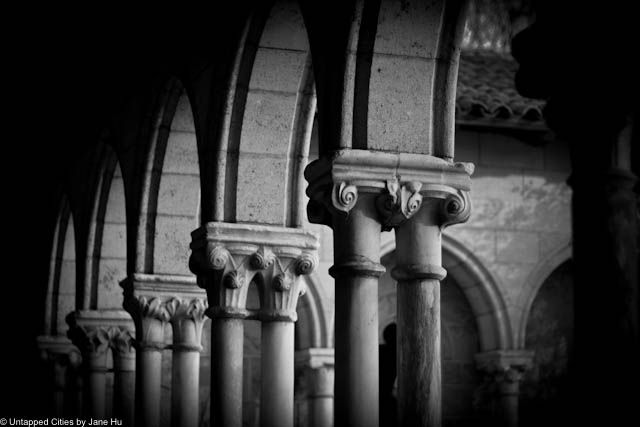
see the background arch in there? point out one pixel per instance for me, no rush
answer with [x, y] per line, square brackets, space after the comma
[535, 281]
[480, 289]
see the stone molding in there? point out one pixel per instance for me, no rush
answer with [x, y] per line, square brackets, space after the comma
[154, 300]
[59, 350]
[319, 366]
[97, 331]
[228, 257]
[506, 367]
[401, 181]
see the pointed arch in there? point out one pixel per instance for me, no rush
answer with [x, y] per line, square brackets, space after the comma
[265, 125]
[106, 263]
[312, 330]
[536, 279]
[61, 287]
[159, 136]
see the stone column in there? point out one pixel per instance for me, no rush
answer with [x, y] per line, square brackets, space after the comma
[505, 368]
[227, 258]
[319, 373]
[360, 193]
[94, 331]
[63, 358]
[187, 319]
[149, 313]
[282, 285]
[124, 367]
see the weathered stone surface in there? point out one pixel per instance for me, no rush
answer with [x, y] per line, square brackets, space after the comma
[268, 122]
[114, 241]
[183, 117]
[516, 246]
[179, 195]
[171, 255]
[181, 155]
[112, 271]
[399, 105]
[277, 70]
[261, 184]
[408, 28]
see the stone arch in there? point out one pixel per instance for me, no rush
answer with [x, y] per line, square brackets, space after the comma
[159, 139]
[266, 126]
[534, 282]
[106, 263]
[480, 289]
[312, 330]
[61, 287]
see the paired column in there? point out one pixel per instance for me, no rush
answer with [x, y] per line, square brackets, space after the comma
[63, 359]
[155, 301]
[187, 319]
[227, 258]
[506, 368]
[124, 367]
[360, 193]
[96, 333]
[319, 375]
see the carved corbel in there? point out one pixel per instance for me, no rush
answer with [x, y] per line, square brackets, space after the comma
[398, 203]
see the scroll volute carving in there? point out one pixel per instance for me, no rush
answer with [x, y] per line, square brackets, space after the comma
[398, 203]
[455, 209]
[283, 285]
[338, 198]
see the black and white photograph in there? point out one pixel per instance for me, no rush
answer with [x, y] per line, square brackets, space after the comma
[304, 213]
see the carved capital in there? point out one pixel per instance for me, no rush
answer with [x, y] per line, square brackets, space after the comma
[505, 367]
[455, 209]
[155, 300]
[187, 317]
[59, 350]
[95, 332]
[282, 285]
[397, 203]
[228, 257]
[400, 180]
[344, 196]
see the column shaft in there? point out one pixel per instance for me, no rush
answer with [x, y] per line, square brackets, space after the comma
[227, 336]
[97, 392]
[148, 386]
[321, 396]
[418, 250]
[59, 386]
[509, 404]
[184, 393]
[124, 388]
[356, 270]
[276, 406]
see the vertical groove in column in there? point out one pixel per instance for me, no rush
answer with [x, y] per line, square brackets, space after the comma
[227, 336]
